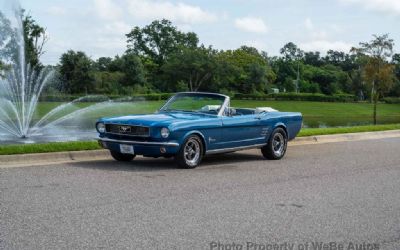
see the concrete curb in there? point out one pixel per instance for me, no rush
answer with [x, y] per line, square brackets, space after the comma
[344, 137]
[7, 161]
[11, 161]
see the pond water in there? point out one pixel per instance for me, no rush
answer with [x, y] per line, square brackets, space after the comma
[346, 121]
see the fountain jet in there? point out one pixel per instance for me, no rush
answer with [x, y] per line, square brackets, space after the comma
[21, 86]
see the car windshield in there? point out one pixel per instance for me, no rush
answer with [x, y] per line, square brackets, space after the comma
[189, 102]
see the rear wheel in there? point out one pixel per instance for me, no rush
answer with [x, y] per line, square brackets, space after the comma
[191, 152]
[277, 145]
[122, 157]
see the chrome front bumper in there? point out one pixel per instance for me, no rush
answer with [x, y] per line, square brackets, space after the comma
[172, 144]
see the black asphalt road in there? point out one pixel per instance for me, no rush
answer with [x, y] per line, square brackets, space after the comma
[345, 193]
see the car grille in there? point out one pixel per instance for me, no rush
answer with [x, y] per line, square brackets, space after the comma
[129, 130]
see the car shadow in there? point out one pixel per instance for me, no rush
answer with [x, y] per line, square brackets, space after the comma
[142, 164]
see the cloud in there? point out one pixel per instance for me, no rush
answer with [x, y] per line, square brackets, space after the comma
[315, 34]
[386, 6]
[260, 45]
[309, 24]
[117, 28]
[251, 24]
[55, 11]
[325, 45]
[320, 39]
[107, 9]
[178, 12]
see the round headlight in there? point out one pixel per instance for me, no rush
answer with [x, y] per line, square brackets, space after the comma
[101, 128]
[164, 132]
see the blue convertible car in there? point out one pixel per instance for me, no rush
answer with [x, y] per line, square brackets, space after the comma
[191, 125]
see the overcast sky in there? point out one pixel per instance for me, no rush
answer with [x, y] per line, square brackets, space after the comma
[98, 27]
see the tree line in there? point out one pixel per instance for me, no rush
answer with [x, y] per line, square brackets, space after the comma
[160, 58]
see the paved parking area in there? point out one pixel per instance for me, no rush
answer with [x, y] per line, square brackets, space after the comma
[344, 192]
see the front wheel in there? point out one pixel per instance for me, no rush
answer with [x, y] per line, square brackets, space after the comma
[277, 145]
[122, 157]
[191, 152]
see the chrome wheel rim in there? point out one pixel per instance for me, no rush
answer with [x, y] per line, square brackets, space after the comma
[278, 144]
[192, 152]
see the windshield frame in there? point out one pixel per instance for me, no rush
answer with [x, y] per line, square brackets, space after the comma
[224, 105]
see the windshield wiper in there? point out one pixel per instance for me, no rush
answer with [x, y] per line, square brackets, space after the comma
[175, 110]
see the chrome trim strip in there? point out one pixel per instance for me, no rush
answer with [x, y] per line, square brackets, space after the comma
[225, 150]
[143, 136]
[245, 140]
[172, 144]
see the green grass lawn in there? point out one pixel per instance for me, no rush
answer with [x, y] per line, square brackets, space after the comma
[48, 147]
[316, 114]
[92, 145]
[337, 117]
[345, 130]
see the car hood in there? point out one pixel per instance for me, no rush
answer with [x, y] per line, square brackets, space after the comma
[158, 119]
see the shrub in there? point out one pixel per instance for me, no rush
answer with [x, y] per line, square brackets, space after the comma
[69, 98]
[298, 97]
[391, 100]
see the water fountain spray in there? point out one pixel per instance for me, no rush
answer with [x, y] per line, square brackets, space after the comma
[21, 84]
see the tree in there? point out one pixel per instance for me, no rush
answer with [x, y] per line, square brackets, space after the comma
[286, 72]
[158, 40]
[396, 88]
[120, 75]
[243, 71]
[103, 63]
[326, 77]
[2, 67]
[396, 63]
[313, 58]
[338, 58]
[133, 69]
[8, 42]
[75, 70]
[335, 57]
[108, 83]
[194, 66]
[378, 72]
[35, 38]
[291, 52]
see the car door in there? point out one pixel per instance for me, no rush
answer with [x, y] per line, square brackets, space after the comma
[241, 130]
[212, 131]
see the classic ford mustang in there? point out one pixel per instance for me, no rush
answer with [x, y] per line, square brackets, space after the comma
[193, 124]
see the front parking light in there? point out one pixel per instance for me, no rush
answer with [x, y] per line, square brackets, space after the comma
[101, 128]
[164, 132]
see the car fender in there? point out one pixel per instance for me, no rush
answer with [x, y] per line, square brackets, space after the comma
[196, 132]
[280, 124]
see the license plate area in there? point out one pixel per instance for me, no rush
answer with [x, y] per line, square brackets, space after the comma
[126, 149]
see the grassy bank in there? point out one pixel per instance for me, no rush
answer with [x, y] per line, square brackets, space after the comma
[92, 145]
[345, 130]
[48, 147]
